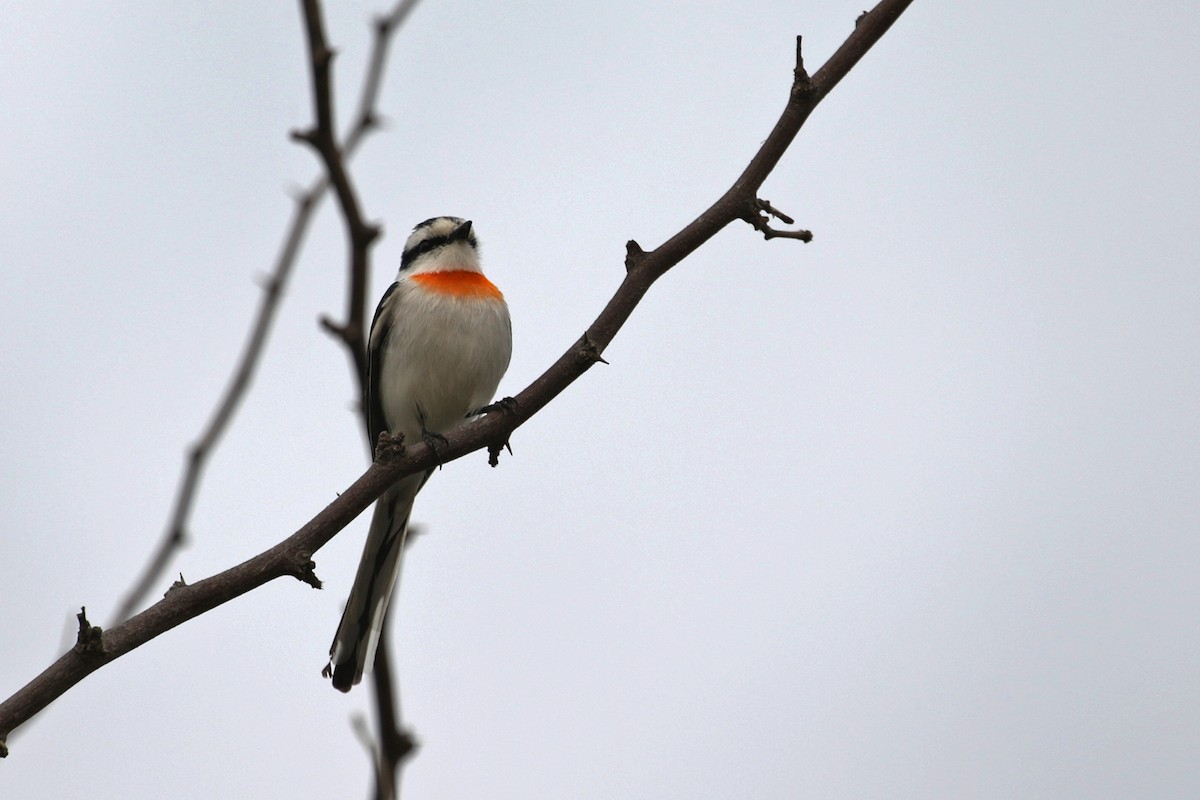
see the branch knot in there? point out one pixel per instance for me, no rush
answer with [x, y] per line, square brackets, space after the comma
[634, 254]
[306, 572]
[90, 639]
[588, 352]
[389, 448]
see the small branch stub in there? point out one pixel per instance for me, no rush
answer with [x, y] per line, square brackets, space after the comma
[633, 255]
[389, 448]
[90, 638]
[507, 406]
[323, 55]
[801, 81]
[306, 573]
[494, 452]
[308, 136]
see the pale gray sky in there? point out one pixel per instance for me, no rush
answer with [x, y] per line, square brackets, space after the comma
[910, 511]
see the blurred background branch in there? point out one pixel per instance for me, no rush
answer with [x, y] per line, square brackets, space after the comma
[395, 743]
[366, 119]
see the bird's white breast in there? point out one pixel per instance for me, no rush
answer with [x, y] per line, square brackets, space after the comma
[444, 357]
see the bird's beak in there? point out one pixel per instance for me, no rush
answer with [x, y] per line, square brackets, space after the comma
[462, 232]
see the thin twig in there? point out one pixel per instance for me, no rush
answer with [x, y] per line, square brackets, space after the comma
[396, 744]
[198, 453]
[292, 556]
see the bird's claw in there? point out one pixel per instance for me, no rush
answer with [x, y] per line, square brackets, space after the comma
[431, 439]
[506, 404]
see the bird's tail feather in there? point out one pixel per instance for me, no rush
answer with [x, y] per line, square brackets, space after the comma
[353, 649]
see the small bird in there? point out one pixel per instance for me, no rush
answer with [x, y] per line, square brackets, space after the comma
[440, 342]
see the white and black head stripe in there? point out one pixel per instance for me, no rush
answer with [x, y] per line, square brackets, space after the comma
[435, 233]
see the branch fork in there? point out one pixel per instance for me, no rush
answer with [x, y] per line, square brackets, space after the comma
[759, 214]
[102, 647]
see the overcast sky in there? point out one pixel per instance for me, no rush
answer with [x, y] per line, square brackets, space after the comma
[909, 511]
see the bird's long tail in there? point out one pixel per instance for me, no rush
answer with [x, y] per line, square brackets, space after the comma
[353, 649]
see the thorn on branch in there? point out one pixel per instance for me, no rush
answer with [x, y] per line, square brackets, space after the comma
[178, 584]
[588, 351]
[759, 214]
[507, 405]
[800, 79]
[633, 255]
[90, 638]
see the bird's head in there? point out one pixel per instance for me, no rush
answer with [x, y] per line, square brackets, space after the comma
[441, 244]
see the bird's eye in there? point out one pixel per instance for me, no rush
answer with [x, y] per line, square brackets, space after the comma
[426, 246]
[421, 248]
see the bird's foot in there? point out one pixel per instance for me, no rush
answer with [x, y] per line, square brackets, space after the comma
[431, 439]
[506, 404]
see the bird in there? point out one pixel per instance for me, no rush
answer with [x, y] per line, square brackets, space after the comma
[440, 342]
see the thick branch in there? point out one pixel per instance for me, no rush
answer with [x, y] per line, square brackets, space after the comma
[292, 556]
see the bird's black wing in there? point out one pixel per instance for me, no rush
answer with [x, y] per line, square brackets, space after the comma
[380, 328]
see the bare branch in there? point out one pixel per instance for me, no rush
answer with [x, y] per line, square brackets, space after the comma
[273, 290]
[322, 138]
[292, 557]
[385, 27]
[395, 744]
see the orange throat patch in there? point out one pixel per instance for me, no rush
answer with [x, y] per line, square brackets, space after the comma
[458, 283]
